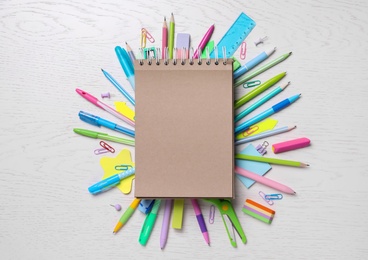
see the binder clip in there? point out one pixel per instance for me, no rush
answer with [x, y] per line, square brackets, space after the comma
[261, 148]
[243, 50]
[260, 40]
[149, 53]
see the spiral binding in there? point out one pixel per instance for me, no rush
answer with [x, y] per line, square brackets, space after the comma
[151, 58]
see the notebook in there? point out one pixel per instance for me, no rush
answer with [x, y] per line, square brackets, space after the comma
[184, 129]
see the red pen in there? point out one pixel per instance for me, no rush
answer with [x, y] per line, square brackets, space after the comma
[204, 41]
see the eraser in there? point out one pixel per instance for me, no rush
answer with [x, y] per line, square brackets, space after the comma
[290, 145]
[182, 41]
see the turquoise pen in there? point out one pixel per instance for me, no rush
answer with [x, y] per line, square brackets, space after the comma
[149, 222]
[260, 102]
[274, 109]
[126, 64]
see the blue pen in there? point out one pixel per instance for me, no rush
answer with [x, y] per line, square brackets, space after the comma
[260, 102]
[118, 86]
[98, 121]
[274, 109]
[252, 63]
[126, 64]
[110, 182]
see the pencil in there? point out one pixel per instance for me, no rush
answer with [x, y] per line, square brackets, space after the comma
[127, 214]
[270, 160]
[171, 36]
[164, 38]
[265, 181]
[130, 52]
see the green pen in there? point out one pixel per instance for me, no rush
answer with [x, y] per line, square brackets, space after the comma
[103, 136]
[258, 90]
[245, 78]
[148, 224]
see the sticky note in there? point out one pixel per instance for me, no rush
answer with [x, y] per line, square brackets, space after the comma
[259, 168]
[108, 165]
[123, 108]
[178, 210]
[264, 125]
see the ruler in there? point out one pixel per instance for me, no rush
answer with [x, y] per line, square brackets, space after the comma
[236, 34]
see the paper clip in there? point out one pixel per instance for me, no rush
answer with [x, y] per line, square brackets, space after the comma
[274, 197]
[122, 167]
[148, 35]
[251, 84]
[243, 50]
[143, 38]
[263, 196]
[261, 148]
[250, 131]
[107, 147]
[211, 219]
[100, 151]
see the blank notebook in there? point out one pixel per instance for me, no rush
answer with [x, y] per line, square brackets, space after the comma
[184, 129]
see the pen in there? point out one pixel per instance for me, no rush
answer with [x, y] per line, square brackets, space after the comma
[149, 222]
[258, 90]
[118, 86]
[110, 182]
[103, 136]
[164, 38]
[171, 36]
[130, 52]
[261, 102]
[274, 109]
[252, 63]
[126, 64]
[201, 223]
[265, 181]
[127, 214]
[271, 160]
[204, 41]
[166, 223]
[105, 107]
[245, 78]
[265, 134]
[98, 121]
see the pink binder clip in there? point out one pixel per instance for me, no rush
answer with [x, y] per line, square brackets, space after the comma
[243, 50]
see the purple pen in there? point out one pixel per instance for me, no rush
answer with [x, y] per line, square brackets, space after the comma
[165, 223]
[202, 224]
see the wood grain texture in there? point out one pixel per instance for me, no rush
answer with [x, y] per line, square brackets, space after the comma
[48, 48]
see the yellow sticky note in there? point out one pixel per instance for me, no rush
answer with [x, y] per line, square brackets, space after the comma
[265, 125]
[108, 164]
[178, 210]
[123, 108]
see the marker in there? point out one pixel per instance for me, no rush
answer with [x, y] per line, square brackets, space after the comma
[149, 222]
[126, 64]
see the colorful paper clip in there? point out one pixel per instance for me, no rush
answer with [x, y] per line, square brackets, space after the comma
[274, 197]
[243, 50]
[148, 35]
[143, 38]
[211, 218]
[122, 167]
[251, 84]
[261, 148]
[100, 151]
[107, 147]
[250, 131]
[263, 196]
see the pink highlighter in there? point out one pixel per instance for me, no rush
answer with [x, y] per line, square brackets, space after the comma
[290, 145]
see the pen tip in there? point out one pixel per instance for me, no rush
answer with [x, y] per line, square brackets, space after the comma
[126, 43]
[164, 18]
[294, 193]
[290, 53]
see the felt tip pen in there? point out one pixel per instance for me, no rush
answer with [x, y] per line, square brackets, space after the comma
[103, 136]
[110, 182]
[149, 222]
[126, 64]
[98, 121]
[252, 63]
[274, 109]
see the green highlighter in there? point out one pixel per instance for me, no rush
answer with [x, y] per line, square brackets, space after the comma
[103, 136]
[148, 224]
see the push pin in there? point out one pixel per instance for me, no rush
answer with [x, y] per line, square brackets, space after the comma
[262, 148]
[116, 206]
[105, 95]
[260, 40]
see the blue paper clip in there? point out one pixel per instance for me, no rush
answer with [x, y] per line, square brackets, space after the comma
[251, 84]
[273, 196]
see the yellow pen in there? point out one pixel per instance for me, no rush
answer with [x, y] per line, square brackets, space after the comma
[127, 214]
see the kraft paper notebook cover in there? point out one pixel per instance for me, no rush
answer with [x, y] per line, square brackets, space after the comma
[184, 129]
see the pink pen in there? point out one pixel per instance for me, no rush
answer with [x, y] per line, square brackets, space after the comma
[202, 224]
[204, 41]
[105, 107]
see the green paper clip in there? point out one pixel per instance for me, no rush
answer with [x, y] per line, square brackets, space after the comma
[251, 84]
[122, 167]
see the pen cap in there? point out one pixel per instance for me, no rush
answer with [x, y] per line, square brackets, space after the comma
[88, 118]
[125, 61]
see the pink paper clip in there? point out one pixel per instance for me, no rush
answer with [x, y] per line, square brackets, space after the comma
[100, 151]
[243, 50]
[211, 219]
[263, 196]
[148, 35]
[107, 147]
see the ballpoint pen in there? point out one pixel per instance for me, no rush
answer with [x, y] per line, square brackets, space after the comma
[267, 66]
[171, 37]
[272, 110]
[258, 90]
[103, 136]
[261, 101]
[130, 52]
[204, 41]
[265, 181]
[166, 223]
[164, 38]
[98, 121]
[105, 107]
[270, 160]
[119, 87]
[126, 64]
[265, 134]
[127, 214]
[149, 222]
[252, 63]
[110, 182]
[201, 223]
